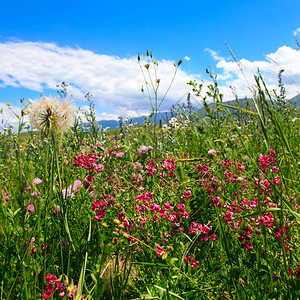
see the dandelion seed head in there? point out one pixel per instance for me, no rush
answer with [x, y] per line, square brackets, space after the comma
[51, 114]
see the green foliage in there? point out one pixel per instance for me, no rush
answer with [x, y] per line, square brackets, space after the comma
[208, 211]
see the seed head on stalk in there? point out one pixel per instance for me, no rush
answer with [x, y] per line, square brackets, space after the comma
[51, 115]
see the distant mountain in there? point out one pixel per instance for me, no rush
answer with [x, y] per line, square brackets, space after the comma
[112, 124]
[296, 100]
[165, 116]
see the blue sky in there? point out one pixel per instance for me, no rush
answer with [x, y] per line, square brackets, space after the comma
[93, 45]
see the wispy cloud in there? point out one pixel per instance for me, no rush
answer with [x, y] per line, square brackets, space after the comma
[7, 117]
[296, 32]
[187, 58]
[214, 54]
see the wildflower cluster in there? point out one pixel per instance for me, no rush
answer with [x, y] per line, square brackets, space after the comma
[63, 288]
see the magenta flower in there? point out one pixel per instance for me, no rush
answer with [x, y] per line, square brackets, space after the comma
[168, 206]
[272, 153]
[298, 273]
[213, 237]
[186, 259]
[194, 263]
[155, 218]
[275, 277]
[159, 250]
[99, 168]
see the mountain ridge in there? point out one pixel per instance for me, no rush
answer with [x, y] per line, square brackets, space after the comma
[112, 124]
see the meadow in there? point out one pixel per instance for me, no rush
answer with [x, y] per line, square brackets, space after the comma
[195, 208]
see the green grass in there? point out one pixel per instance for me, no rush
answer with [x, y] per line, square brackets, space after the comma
[172, 221]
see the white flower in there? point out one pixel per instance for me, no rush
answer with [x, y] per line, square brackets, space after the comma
[173, 121]
[51, 114]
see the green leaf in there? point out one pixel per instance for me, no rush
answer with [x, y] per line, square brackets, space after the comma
[171, 293]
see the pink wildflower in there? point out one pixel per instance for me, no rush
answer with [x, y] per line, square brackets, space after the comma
[34, 194]
[159, 250]
[76, 186]
[37, 181]
[120, 154]
[144, 149]
[30, 208]
[211, 151]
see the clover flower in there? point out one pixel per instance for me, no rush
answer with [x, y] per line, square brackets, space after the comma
[51, 114]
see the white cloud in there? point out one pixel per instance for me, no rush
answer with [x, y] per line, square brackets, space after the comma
[187, 58]
[284, 58]
[115, 82]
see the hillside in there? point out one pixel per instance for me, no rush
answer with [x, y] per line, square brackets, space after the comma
[112, 124]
